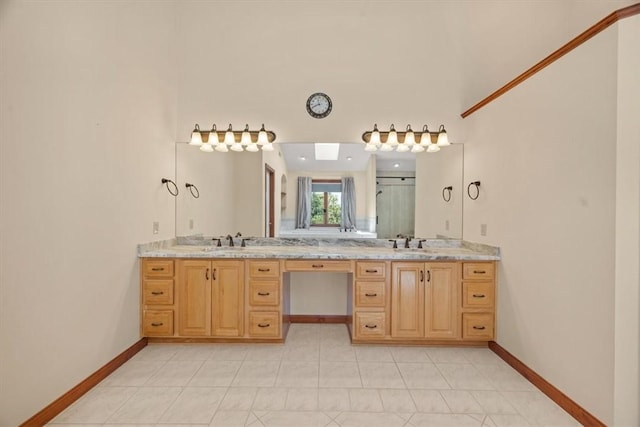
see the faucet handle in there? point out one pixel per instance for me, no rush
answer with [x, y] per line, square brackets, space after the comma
[238, 234]
[242, 245]
[395, 243]
[219, 241]
[420, 243]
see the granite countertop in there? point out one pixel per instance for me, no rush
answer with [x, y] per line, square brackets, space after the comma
[340, 249]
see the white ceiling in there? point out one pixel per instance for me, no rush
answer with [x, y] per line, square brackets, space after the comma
[295, 152]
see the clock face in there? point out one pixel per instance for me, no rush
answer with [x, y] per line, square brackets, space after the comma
[319, 105]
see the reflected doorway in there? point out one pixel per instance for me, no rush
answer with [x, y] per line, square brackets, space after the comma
[269, 201]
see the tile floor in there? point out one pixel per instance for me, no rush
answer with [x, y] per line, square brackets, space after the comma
[316, 379]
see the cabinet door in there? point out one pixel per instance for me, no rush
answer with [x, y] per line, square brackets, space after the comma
[194, 304]
[407, 300]
[228, 298]
[441, 300]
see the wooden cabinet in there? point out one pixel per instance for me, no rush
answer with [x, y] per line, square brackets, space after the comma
[211, 298]
[157, 298]
[371, 300]
[478, 303]
[264, 305]
[424, 300]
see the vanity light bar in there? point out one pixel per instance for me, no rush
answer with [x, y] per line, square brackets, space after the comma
[234, 140]
[407, 140]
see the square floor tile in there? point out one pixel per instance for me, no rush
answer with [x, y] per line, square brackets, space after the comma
[333, 399]
[380, 375]
[397, 401]
[215, 373]
[302, 399]
[430, 401]
[238, 399]
[365, 400]
[257, 374]
[339, 374]
[174, 373]
[463, 376]
[146, 406]
[96, 406]
[298, 374]
[461, 402]
[195, 405]
[422, 375]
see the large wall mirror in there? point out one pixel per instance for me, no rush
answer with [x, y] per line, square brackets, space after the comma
[418, 195]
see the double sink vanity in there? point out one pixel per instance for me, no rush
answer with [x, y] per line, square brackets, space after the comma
[442, 293]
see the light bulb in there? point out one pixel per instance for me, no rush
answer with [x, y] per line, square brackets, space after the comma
[443, 140]
[206, 147]
[229, 137]
[245, 140]
[417, 148]
[263, 138]
[213, 136]
[252, 148]
[433, 148]
[370, 147]
[196, 138]
[221, 147]
[267, 147]
[425, 138]
[385, 147]
[392, 139]
[402, 148]
[409, 137]
[375, 137]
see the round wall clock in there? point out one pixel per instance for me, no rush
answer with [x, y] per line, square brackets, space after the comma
[319, 105]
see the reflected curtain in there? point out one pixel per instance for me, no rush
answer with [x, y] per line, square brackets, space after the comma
[348, 203]
[303, 206]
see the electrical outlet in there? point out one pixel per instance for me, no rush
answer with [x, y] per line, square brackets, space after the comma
[483, 229]
[156, 227]
[191, 224]
[446, 225]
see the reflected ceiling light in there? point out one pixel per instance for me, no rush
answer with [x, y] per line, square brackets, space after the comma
[407, 140]
[396, 165]
[248, 140]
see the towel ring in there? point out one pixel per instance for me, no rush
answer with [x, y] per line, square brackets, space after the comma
[446, 193]
[477, 185]
[166, 182]
[191, 188]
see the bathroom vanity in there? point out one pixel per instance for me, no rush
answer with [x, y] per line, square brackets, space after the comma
[443, 293]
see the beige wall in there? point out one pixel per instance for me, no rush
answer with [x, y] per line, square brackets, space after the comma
[627, 272]
[545, 154]
[87, 105]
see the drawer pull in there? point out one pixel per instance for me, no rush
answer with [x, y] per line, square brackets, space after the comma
[264, 270]
[478, 295]
[157, 293]
[371, 271]
[157, 324]
[479, 328]
[371, 326]
[370, 295]
[264, 294]
[157, 269]
[479, 272]
[264, 325]
[317, 265]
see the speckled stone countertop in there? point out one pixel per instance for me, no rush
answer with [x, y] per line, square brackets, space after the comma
[318, 248]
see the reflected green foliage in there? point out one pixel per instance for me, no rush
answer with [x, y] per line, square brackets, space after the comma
[333, 207]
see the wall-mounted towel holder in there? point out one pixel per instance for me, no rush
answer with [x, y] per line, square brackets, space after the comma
[193, 190]
[477, 185]
[446, 193]
[173, 192]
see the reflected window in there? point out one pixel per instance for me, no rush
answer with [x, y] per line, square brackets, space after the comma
[326, 199]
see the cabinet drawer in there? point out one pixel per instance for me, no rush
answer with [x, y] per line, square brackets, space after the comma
[157, 268]
[478, 270]
[478, 295]
[264, 292]
[268, 269]
[264, 324]
[370, 294]
[318, 265]
[477, 326]
[370, 325]
[157, 323]
[370, 270]
[158, 291]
